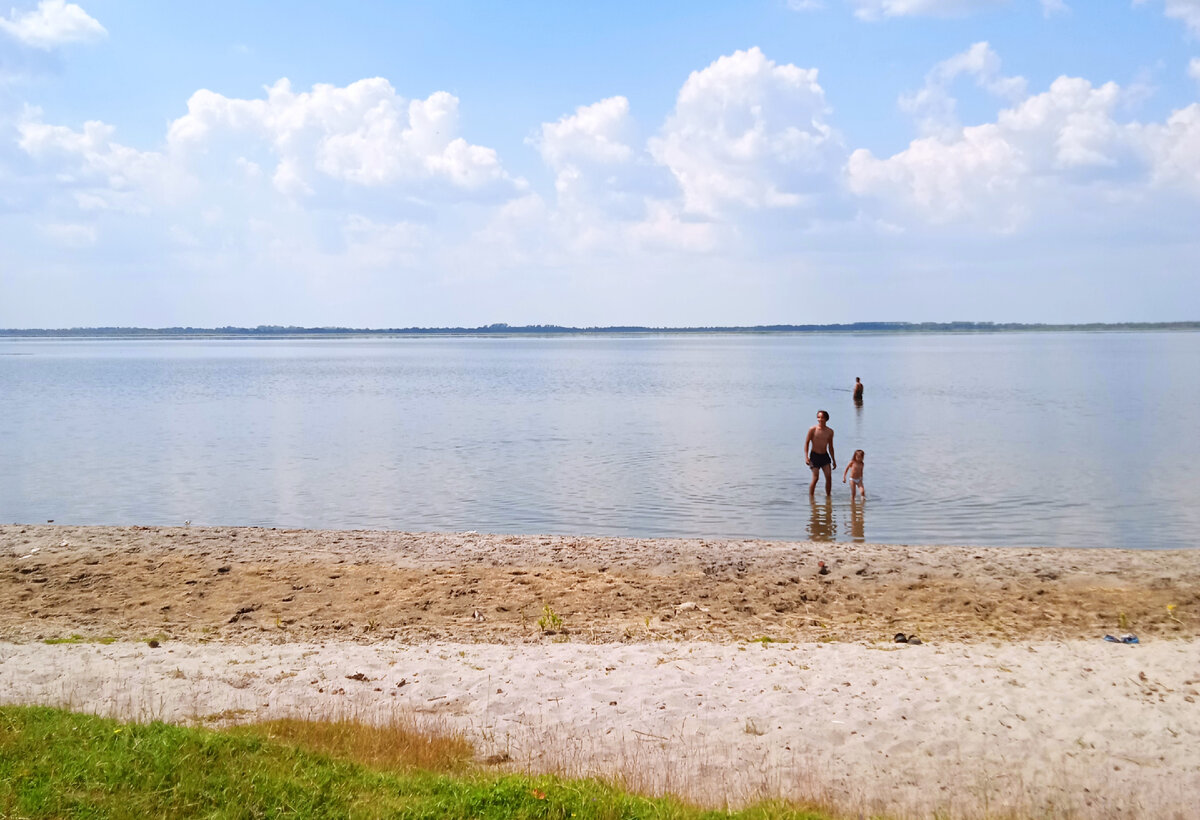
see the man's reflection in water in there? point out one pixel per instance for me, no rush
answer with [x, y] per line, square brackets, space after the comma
[857, 509]
[820, 523]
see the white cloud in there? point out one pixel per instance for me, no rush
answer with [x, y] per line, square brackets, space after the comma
[749, 138]
[1061, 146]
[1186, 11]
[52, 23]
[363, 133]
[594, 133]
[297, 180]
[598, 174]
[1174, 149]
[1053, 7]
[1194, 69]
[879, 9]
[1068, 127]
[748, 133]
[339, 192]
[933, 105]
[104, 173]
[943, 180]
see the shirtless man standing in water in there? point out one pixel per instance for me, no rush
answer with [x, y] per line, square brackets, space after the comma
[820, 456]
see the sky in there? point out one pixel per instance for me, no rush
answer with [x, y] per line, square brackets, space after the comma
[431, 164]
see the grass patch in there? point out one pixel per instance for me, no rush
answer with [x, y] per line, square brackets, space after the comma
[80, 639]
[767, 640]
[550, 621]
[55, 763]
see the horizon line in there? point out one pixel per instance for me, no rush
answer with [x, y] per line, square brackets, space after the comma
[501, 328]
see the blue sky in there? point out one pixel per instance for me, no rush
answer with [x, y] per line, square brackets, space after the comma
[452, 163]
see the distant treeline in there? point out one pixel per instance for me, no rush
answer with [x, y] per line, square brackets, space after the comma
[274, 331]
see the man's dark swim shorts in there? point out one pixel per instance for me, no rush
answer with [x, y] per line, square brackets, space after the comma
[818, 460]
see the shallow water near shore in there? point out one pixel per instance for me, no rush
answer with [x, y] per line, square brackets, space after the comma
[1058, 439]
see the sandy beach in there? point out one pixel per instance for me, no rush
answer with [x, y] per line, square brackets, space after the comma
[718, 670]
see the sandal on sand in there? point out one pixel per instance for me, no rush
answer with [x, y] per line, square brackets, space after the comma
[1127, 638]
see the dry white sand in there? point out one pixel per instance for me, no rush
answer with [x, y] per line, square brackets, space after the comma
[1077, 728]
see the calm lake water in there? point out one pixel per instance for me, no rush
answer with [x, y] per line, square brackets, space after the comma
[1063, 439]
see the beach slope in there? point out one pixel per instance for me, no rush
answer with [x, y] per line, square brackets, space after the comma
[724, 671]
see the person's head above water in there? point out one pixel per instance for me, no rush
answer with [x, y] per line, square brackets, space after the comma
[822, 416]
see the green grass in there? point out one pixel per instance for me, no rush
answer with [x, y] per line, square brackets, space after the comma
[80, 639]
[55, 763]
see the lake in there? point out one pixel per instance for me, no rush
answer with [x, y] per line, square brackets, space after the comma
[1014, 439]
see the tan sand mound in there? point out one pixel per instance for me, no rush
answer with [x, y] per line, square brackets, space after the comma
[288, 585]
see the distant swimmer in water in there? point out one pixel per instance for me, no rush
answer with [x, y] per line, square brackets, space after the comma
[858, 390]
[818, 452]
[855, 471]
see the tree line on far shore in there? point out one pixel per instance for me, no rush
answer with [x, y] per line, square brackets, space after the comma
[501, 329]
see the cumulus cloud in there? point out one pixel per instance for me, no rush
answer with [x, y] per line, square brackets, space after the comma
[1186, 11]
[1194, 69]
[52, 23]
[337, 182]
[748, 133]
[933, 105]
[1065, 142]
[103, 173]
[879, 9]
[363, 133]
[982, 171]
[1174, 150]
[597, 133]
[354, 173]
[598, 172]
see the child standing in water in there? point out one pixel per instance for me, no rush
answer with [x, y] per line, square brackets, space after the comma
[855, 470]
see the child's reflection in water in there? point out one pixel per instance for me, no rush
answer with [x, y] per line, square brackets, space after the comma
[856, 520]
